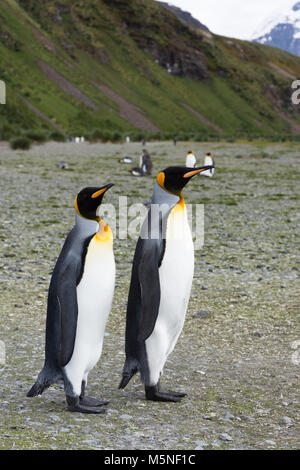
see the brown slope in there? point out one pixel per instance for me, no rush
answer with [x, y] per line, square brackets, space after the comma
[65, 85]
[202, 118]
[40, 114]
[128, 111]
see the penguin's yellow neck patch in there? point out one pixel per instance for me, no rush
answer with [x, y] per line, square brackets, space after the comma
[180, 206]
[104, 233]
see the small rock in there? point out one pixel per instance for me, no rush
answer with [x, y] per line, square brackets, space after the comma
[210, 416]
[269, 442]
[257, 334]
[200, 445]
[249, 419]
[285, 421]
[202, 314]
[228, 416]
[216, 444]
[224, 436]
[64, 429]
[243, 294]
[125, 417]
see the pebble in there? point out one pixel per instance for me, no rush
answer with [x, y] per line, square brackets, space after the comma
[202, 314]
[125, 417]
[228, 416]
[210, 416]
[242, 294]
[249, 419]
[224, 436]
[257, 334]
[216, 444]
[200, 445]
[285, 421]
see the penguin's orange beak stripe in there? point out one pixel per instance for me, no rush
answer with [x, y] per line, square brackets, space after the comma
[98, 193]
[194, 172]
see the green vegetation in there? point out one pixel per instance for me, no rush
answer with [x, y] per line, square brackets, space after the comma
[36, 136]
[20, 143]
[57, 136]
[100, 69]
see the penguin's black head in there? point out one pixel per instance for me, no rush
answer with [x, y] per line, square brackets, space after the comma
[88, 201]
[174, 178]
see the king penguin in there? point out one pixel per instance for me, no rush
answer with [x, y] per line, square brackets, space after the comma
[190, 160]
[209, 160]
[162, 273]
[79, 301]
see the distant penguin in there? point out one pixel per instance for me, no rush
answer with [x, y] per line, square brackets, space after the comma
[145, 163]
[126, 160]
[63, 165]
[79, 301]
[209, 160]
[145, 168]
[161, 281]
[190, 160]
[136, 171]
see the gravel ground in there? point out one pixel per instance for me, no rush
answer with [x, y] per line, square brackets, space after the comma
[238, 357]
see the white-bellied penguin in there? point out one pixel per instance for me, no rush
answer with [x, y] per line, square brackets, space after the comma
[209, 159]
[190, 160]
[161, 281]
[79, 301]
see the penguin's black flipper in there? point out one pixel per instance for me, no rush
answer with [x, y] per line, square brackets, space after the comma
[63, 294]
[67, 301]
[150, 287]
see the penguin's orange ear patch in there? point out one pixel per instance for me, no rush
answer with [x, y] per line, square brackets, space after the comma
[76, 206]
[161, 179]
[98, 193]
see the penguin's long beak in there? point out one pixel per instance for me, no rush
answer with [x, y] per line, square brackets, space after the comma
[197, 171]
[108, 186]
[102, 190]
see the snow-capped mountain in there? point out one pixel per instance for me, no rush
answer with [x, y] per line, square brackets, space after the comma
[282, 29]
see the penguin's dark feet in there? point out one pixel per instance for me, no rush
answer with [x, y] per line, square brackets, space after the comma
[75, 405]
[177, 394]
[155, 394]
[89, 401]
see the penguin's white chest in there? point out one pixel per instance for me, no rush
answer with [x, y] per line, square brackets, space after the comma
[176, 275]
[94, 298]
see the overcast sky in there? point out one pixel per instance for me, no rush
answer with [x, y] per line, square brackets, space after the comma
[235, 18]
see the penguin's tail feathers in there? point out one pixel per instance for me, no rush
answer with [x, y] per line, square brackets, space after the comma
[129, 370]
[45, 378]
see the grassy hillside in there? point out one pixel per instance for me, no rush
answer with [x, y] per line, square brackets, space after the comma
[127, 66]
